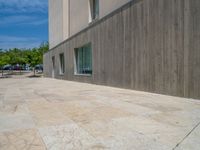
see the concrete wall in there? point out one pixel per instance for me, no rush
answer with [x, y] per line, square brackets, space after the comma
[79, 12]
[55, 22]
[58, 21]
[149, 45]
[66, 31]
[67, 17]
[108, 6]
[79, 15]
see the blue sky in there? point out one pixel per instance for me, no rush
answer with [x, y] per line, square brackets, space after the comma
[23, 23]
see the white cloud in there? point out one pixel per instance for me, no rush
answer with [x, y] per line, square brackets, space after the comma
[7, 42]
[13, 6]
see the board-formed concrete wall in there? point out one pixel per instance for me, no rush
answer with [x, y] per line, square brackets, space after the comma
[79, 12]
[67, 17]
[147, 45]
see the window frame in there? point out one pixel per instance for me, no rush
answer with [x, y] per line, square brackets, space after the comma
[93, 10]
[53, 62]
[76, 60]
[61, 64]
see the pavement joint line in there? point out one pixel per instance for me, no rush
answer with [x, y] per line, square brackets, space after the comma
[179, 143]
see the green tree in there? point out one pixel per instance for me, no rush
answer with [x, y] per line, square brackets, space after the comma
[16, 56]
[35, 58]
[44, 47]
[4, 59]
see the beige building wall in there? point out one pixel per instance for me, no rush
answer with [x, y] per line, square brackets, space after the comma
[79, 15]
[58, 21]
[67, 17]
[55, 22]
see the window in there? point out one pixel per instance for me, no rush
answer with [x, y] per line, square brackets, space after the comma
[83, 60]
[53, 66]
[53, 62]
[94, 9]
[62, 64]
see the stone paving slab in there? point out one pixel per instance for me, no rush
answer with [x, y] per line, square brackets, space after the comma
[192, 141]
[42, 113]
[28, 139]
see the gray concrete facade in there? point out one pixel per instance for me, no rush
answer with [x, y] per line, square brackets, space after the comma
[68, 17]
[147, 45]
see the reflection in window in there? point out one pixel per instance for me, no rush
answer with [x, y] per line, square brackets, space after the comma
[83, 60]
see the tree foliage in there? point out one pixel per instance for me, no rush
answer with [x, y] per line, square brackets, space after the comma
[15, 56]
[4, 59]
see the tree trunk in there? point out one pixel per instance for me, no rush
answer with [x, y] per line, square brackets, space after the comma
[20, 70]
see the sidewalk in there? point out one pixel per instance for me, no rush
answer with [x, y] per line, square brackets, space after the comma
[42, 113]
[19, 74]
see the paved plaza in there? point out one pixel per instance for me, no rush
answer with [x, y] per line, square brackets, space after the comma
[49, 114]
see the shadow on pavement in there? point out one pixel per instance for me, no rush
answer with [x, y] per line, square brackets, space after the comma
[22, 74]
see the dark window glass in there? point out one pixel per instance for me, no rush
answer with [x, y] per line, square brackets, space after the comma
[62, 64]
[94, 7]
[53, 62]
